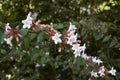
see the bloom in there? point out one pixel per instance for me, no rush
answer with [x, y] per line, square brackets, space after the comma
[94, 74]
[7, 27]
[71, 27]
[112, 71]
[8, 41]
[102, 71]
[27, 23]
[72, 39]
[95, 60]
[56, 38]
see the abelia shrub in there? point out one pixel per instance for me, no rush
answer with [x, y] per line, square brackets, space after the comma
[39, 52]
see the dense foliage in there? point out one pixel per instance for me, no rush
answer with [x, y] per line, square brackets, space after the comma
[98, 26]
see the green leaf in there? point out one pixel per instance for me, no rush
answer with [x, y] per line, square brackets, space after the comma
[32, 36]
[79, 61]
[112, 44]
[83, 23]
[23, 31]
[3, 36]
[106, 38]
[3, 51]
[96, 36]
[58, 26]
[83, 32]
[26, 42]
[40, 37]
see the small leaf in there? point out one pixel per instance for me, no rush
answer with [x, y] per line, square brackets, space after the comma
[40, 37]
[32, 36]
[106, 38]
[58, 26]
[83, 23]
[97, 36]
[112, 44]
[79, 61]
[83, 32]
[3, 51]
[26, 42]
[23, 31]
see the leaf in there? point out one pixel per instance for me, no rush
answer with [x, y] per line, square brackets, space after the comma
[112, 44]
[26, 42]
[96, 36]
[3, 36]
[106, 38]
[23, 31]
[40, 37]
[79, 61]
[83, 23]
[3, 51]
[83, 32]
[58, 26]
[32, 36]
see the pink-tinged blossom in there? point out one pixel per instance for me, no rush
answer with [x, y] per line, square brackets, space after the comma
[82, 48]
[95, 60]
[7, 27]
[8, 41]
[94, 74]
[102, 71]
[112, 71]
[75, 46]
[28, 22]
[72, 32]
[71, 27]
[77, 52]
[57, 38]
[72, 39]
[85, 56]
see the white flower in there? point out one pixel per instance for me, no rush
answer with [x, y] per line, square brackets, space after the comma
[85, 56]
[84, 9]
[77, 52]
[71, 27]
[56, 38]
[27, 23]
[8, 41]
[94, 74]
[75, 46]
[82, 48]
[72, 32]
[102, 71]
[112, 71]
[95, 60]
[37, 65]
[98, 61]
[72, 39]
[7, 27]
[78, 49]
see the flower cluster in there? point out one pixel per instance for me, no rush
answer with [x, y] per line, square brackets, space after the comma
[14, 33]
[70, 39]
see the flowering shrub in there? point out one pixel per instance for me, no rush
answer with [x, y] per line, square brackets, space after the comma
[38, 51]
